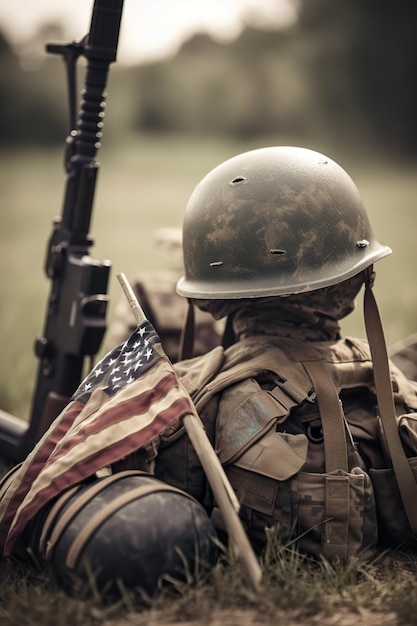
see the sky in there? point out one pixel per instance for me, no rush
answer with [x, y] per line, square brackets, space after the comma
[150, 29]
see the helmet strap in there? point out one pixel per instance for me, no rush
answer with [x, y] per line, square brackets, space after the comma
[229, 337]
[186, 347]
[405, 478]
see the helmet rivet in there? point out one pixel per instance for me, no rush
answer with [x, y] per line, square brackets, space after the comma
[363, 243]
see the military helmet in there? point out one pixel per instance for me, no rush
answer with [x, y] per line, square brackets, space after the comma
[126, 530]
[272, 222]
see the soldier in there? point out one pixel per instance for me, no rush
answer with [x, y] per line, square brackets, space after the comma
[277, 242]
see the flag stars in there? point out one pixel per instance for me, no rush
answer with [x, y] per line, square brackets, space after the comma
[123, 365]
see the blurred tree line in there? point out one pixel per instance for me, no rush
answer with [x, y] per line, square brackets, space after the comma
[345, 69]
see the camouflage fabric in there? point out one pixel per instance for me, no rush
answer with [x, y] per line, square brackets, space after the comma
[331, 514]
[312, 318]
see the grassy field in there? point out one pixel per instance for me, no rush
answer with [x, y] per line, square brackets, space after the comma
[144, 184]
[295, 591]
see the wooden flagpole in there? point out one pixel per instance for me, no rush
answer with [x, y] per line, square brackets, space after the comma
[219, 483]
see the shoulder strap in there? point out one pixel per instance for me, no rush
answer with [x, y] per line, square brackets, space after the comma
[405, 478]
[186, 346]
[248, 359]
[332, 417]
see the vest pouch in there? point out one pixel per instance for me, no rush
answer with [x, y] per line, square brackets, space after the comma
[394, 529]
[334, 514]
[407, 426]
[331, 515]
[178, 464]
[247, 413]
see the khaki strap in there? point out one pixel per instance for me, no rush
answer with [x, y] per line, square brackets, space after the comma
[296, 392]
[405, 478]
[332, 418]
[53, 514]
[101, 516]
[335, 536]
[186, 347]
[229, 337]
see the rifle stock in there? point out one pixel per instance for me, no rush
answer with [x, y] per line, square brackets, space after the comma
[76, 309]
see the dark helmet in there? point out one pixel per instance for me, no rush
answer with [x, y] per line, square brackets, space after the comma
[274, 221]
[128, 528]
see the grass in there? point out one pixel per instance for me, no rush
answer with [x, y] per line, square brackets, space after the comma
[295, 590]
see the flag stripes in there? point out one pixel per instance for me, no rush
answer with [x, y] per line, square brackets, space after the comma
[110, 422]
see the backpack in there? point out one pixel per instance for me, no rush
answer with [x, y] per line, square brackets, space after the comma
[298, 433]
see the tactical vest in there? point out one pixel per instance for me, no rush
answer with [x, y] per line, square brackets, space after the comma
[297, 429]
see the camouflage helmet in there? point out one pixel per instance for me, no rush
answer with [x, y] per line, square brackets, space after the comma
[272, 222]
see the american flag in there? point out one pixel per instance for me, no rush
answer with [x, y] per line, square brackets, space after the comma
[127, 401]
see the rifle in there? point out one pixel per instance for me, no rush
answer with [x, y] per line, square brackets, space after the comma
[76, 309]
